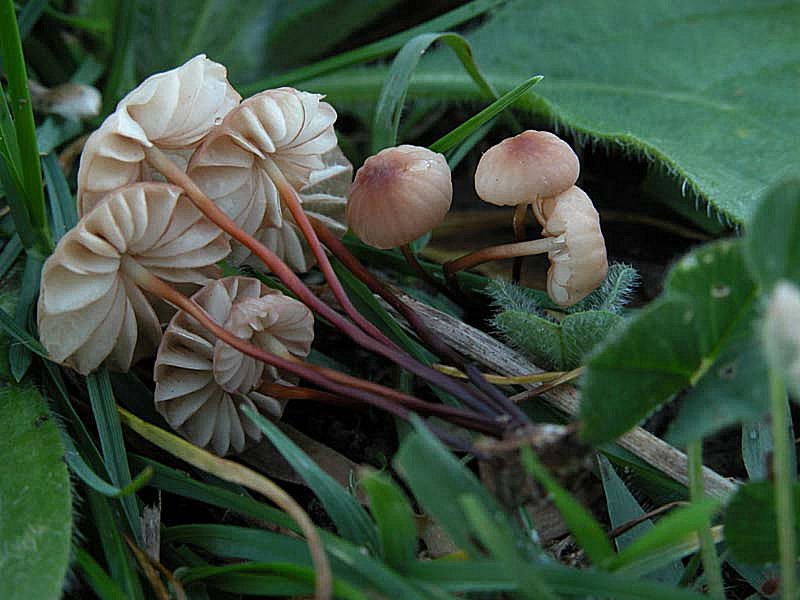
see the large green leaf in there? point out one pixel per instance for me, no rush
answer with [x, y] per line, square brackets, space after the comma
[707, 88]
[708, 307]
[35, 498]
[750, 523]
[251, 37]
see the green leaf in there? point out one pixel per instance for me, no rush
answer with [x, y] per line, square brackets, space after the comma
[265, 579]
[395, 519]
[374, 50]
[19, 356]
[62, 204]
[100, 582]
[668, 532]
[583, 526]
[750, 523]
[391, 101]
[251, 38]
[623, 508]
[10, 254]
[773, 236]
[468, 127]
[472, 575]
[112, 443]
[757, 446]
[347, 561]
[344, 510]
[734, 390]
[109, 524]
[708, 306]
[559, 345]
[30, 172]
[35, 495]
[704, 87]
[437, 479]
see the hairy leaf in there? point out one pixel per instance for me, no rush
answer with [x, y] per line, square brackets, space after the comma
[35, 498]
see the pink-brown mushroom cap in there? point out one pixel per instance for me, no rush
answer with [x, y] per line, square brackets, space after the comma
[526, 167]
[398, 195]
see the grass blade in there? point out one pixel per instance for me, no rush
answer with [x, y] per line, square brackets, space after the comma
[100, 582]
[581, 523]
[375, 50]
[120, 71]
[112, 443]
[349, 516]
[62, 205]
[20, 356]
[395, 519]
[463, 131]
[392, 98]
[10, 254]
[22, 111]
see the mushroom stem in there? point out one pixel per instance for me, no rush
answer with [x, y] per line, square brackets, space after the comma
[518, 221]
[171, 171]
[473, 259]
[411, 259]
[494, 397]
[334, 381]
[294, 204]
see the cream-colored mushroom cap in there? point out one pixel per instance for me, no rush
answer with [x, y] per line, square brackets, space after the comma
[202, 383]
[172, 111]
[580, 265]
[398, 195]
[294, 129]
[523, 168]
[90, 308]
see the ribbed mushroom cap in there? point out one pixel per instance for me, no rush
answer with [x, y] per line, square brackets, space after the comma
[90, 310]
[202, 383]
[398, 195]
[523, 168]
[173, 111]
[580, 266]
[294, 129]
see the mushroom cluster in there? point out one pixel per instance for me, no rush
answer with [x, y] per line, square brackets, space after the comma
[202, 382]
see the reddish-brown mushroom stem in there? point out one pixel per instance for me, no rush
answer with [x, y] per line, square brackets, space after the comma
[473, 259]
[334, 381]
[161, 162]
[491, 394]
[293, 203]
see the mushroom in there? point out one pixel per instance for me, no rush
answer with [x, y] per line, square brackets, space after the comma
[202, 383]
[521, 170]
[398, 195]
[574, 245]
[73, 101]
[579, 265]
[91, 310]
[172, 111]
[285, 127]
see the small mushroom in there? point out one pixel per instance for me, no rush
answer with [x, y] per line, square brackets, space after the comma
[91, 309]
[293, 129]
[172, 111]
[398, 195]
[202, 382]
[521, 170]
[73, 101]
[574, 245]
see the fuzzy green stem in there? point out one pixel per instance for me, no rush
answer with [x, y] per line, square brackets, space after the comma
[708, 551]
[783, 480]
[25, 126]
